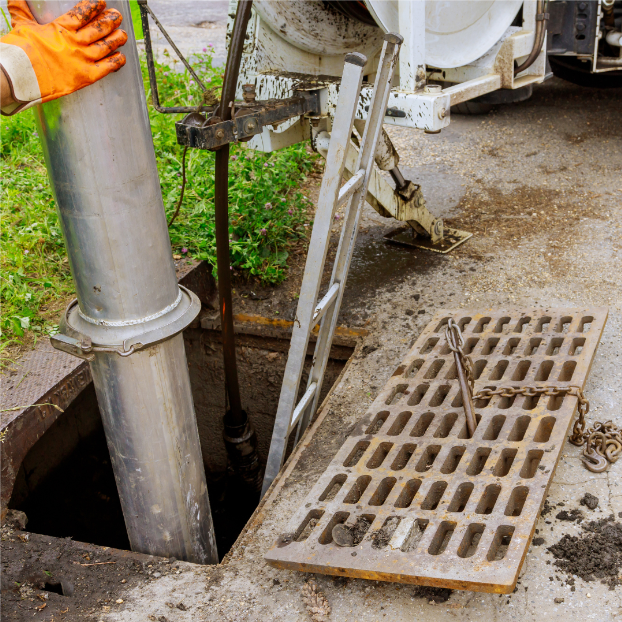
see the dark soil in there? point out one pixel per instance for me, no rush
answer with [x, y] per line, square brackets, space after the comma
[590, 501]
[570, 515]
[385, 533]
[595, 554]
[433, 594]
[56, 579]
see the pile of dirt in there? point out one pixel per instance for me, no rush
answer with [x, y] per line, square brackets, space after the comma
[589, 500]
[574, 516]
[385, 533]
[595, 554]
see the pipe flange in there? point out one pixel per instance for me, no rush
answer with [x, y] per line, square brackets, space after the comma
[82, 337]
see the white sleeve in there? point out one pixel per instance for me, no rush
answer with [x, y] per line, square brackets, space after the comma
[21, 76]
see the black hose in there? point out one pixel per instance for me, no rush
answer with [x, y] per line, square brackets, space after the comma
[237, 416]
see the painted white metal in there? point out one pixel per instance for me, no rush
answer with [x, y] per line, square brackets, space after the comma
[457, 32]
[412, 55]
[350, 187]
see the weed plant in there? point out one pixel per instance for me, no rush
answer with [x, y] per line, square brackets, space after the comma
[269, 214]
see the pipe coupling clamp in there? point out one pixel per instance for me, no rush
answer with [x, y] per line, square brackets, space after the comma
[83, 337]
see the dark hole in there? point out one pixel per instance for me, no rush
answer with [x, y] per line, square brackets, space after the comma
[543, 433]
[308, 525]
[377, 422]
[422, 424]
[356, 454]
[417, 394]
[533, 346]
[479, 460]
[327, 534]
[577, 346]
[439, 396]
[544, 371]
[471, 539]
[429, 345]
[434, 496]
[489, 498]
[441, 538]
[494, 428]
[402, 458]
[434, 369]
[446, 425]
[563, 325]
[519, 428]
[478, 368]
[441, 325]
[480, 327]
[399, 424]
[499, 370]
[464, 432]
[56, 588]
[567, 371]
[397, 394]
[500, 543]
[511, 346]
[413, 368]
[554, 346]
[585, 324]
[517, 501]
[531, 463]
[523, 323]
[501, 324]
[383, 490]
[453, 460]
[490, 345]
[357, 490]
[521, 370]
[427, 459]
[461, 497]
[379, 455]
[333, 488]
[504, 464]
[543, 324]
[408, 493]
[67, 487]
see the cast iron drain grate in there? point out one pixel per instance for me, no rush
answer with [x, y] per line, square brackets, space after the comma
[426, 504]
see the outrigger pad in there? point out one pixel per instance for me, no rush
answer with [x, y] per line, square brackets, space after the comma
[452, 238]
[417, 501]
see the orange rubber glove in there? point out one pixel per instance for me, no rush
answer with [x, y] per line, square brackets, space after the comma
[45, 61]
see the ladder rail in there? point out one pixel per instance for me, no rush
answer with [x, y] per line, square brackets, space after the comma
[318, 249]
[349, 231]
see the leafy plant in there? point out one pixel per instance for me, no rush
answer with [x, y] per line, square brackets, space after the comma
[269, 214]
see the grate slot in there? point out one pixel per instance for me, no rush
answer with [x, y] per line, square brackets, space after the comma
[441, 499]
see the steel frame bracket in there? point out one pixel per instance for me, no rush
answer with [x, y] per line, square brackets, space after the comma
[198, 131]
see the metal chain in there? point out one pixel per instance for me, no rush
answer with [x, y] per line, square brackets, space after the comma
[603, 441]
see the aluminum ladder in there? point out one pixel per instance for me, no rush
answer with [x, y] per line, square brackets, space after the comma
[309, 313]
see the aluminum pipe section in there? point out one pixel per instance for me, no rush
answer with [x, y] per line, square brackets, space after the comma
[130, 311]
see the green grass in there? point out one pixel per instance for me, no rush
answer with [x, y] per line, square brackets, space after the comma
[268, 213]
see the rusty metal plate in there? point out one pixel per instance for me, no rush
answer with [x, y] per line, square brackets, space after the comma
[427, 505]
[452, 238]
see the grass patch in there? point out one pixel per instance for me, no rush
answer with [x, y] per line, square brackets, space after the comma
[269, 215]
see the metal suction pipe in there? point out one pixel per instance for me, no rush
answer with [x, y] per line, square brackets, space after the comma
[130, 312]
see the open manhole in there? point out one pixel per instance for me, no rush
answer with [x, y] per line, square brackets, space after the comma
[66, 485]
[410, 498]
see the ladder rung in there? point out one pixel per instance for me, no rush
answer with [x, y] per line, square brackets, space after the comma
[350, 187]
[324, 304]
[302, 404]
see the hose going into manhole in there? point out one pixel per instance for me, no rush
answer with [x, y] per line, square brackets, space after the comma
[239, 435]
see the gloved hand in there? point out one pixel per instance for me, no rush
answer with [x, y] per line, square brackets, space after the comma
[45, 61]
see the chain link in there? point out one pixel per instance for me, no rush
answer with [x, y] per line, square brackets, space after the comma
[603, 441]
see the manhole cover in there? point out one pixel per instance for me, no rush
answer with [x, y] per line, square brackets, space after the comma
[427, 505]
